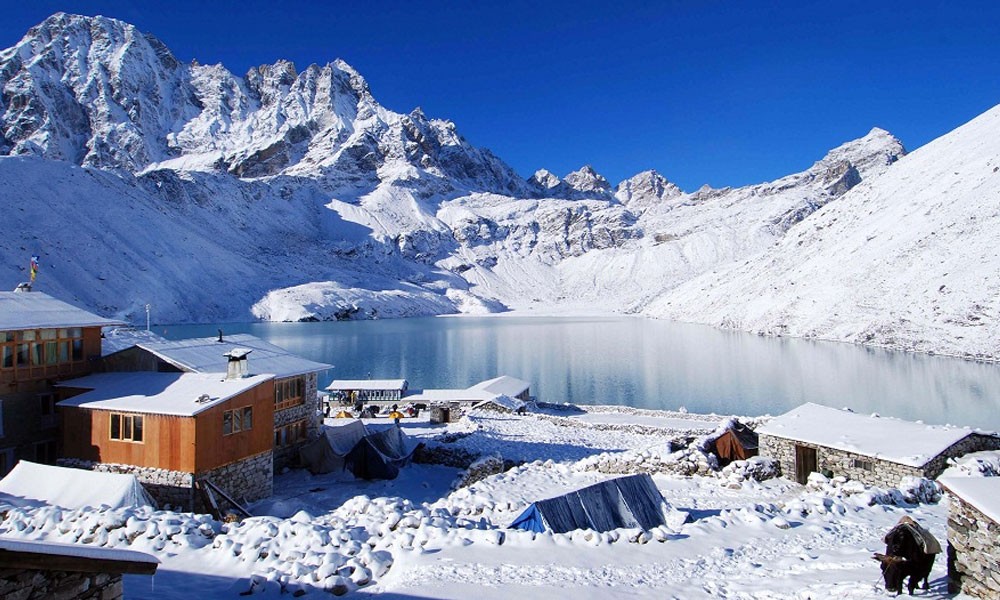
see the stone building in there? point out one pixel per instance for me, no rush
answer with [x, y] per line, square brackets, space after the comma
[33, 570]
[974, 535]
[874, 450]
[173, 429]
[42, 339]
[297, 410]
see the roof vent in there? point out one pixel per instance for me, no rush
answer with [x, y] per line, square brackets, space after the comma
[203, 399]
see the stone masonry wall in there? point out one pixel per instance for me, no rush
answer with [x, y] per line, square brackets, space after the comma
[244, 480]
[168, 488]
[30, 584]
[310, 410]
[883, 473]
[973, 551]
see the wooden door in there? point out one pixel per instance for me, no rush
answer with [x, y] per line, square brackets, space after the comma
[805, 463]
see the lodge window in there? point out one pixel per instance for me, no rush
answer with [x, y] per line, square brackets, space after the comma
[290, 434]
[865, 465]
[40, 347]
[47, 408]
[237, 420]
[126, 428]
[288, 393]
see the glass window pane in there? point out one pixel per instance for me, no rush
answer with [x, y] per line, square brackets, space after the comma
[237, 420]
[6, 336]
[77, 350]
[227, 422]
[7, 357]
[36, 354]
[48, 334]
[64, 333]
[51, 353]
[22, 355]
[248, 418]
[26, 336]
[116, 426]
[137, 428]
[76, 332]
[63, 352]
[126, 427]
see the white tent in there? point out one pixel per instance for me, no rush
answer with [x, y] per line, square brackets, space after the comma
[32, 484]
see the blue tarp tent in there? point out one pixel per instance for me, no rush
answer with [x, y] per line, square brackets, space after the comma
[632, 501]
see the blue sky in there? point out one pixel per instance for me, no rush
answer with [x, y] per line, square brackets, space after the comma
[724, 93]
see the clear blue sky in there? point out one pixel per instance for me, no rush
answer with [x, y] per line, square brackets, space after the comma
[724, 93]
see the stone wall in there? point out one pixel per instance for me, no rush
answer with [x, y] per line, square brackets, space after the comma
[868, 470]
[30, 584]
[310, 410]
[973, 551]
[245, 480]
[170, 489]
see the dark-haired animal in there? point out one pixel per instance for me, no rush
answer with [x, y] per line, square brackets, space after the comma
[909, 552]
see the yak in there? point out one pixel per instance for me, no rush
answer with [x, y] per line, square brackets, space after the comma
[909, 552]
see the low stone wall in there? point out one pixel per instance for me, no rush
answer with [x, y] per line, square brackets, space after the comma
[244, 480]
[29, 584]
[973, 551]
[169, 488]
[868, 470]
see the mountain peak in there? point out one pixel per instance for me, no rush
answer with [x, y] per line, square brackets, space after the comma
[646, 189]
[587, 181]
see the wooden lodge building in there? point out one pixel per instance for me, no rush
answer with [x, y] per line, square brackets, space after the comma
[42, 340]
[874, 450]
[172, 429]
[296, 413]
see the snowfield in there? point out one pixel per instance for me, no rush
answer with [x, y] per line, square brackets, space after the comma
[440, 531]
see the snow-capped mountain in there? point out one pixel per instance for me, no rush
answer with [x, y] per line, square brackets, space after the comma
[907, 260]
[289, 195]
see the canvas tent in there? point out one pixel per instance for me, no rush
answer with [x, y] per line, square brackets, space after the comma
[632, 501]
[32, 484]
[737, 442]
[351, 447]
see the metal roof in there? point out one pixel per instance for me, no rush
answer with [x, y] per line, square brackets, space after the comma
[209, 355]
[178, 394]
[36, 310]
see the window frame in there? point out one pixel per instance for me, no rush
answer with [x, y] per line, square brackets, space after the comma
[131, 428]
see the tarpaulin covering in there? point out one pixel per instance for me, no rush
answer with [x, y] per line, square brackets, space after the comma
[368, 455]
[327, 453]
[381, 455]
[30, 484]
[632, 501]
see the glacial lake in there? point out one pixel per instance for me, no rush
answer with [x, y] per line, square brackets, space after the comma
[641, 363]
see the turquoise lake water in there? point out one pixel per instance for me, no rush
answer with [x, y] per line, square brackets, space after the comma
[641, 363]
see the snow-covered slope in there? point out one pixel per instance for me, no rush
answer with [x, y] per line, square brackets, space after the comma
[907, 260]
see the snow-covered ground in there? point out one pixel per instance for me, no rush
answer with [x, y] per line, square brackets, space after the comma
[420, 537]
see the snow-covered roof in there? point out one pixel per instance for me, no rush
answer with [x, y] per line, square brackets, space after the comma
[79, 551]
[178, 394]
[981, 492]
[885, 438]
[209, 355]
[31, 483]
[502, 401]
[123, 338]
[367, 384]
[446, 395]
[36, 310]
[505, 384]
